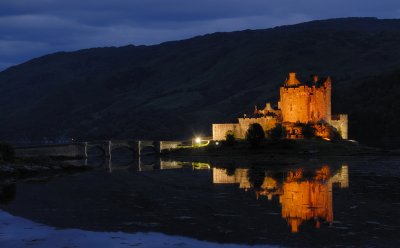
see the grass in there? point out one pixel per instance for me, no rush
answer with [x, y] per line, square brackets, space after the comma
[315, 147]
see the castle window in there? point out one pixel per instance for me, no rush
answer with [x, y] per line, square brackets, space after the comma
[291, 107]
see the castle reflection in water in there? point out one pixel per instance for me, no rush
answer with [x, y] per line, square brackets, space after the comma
[302, 197]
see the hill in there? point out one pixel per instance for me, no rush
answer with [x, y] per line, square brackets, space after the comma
[177, 89]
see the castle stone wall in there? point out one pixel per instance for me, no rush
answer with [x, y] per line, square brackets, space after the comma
[294, 103]
[267, 123]
[320, 103]
[219, 130]
[328, 99]
[341, 122]
[240, 129]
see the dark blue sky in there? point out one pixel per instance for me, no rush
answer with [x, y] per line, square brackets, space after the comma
[31, 28]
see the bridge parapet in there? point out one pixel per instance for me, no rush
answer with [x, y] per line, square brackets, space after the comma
[135, 146]
[80, 150]
[168, 145]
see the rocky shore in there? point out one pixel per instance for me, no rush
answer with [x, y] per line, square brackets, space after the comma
[22, 168]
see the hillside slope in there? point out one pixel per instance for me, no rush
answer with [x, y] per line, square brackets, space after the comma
[177, 89]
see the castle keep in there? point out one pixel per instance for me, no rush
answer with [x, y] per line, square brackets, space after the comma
[300, 103]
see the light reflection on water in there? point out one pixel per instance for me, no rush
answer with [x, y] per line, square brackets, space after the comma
[301, 198]
[252, 204]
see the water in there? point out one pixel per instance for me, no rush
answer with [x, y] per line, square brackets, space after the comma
[19, 232]
[167, 204]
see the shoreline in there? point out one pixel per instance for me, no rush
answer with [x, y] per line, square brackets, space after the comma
[283, 151]
[270, 152]
[28, 168]
[273, 161]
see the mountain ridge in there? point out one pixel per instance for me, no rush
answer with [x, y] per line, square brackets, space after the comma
[177, 89]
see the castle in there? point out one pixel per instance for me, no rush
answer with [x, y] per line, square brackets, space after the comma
[300, 103]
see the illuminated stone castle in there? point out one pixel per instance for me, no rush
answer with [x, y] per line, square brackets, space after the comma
[300, 103]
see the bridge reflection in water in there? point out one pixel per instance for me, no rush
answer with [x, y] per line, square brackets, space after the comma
[140, 164]
[302, 197]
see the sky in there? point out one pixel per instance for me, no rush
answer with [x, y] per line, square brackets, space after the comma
[32, 28]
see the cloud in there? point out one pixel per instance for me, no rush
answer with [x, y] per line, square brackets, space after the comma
[15, 47]
[33, 28]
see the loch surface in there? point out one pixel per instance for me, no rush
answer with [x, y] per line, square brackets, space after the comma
[350, 203]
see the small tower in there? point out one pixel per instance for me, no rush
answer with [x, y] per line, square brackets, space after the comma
[292, 80]
[255, 110]
[315, 79]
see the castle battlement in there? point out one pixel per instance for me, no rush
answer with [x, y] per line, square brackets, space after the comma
[296, 89]
[338, 117]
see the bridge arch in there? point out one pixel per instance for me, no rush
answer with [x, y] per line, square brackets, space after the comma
[95, 151]
[148, 149]
[124, 150]
[108, 148]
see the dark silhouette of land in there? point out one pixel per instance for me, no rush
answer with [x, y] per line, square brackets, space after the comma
[177, 89]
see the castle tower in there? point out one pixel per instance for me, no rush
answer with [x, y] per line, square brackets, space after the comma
[320, 102]
[294, 100]
[305, 103]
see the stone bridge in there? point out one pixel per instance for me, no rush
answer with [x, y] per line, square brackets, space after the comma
[80, 150]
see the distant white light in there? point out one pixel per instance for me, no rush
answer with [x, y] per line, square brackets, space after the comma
[217, 143]
[198, 140]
